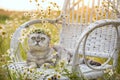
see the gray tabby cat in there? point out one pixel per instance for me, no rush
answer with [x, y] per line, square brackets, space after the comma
[40, 52]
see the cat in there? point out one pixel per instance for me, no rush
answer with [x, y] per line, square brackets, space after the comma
[40, 51]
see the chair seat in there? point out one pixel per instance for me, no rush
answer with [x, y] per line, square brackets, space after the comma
[36, 74]
[90, 73]
[87, 72]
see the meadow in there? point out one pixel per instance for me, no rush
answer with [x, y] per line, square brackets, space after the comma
[11, 20]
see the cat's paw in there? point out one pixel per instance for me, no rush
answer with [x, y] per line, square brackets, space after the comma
[33, 66]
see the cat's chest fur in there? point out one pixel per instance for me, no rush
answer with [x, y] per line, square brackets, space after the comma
[38, 58]
[40, 54]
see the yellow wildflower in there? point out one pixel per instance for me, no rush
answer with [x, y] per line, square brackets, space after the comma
[49, 79]
[58, 76]
[3, 33]
[1, 27]
[36, 0]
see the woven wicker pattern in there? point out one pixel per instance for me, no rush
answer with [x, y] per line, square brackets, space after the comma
[101, 42]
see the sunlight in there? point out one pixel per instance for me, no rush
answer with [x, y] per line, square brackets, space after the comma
[22, 5]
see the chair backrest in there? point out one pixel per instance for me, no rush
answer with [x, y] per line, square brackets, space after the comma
[79, 14]
[88, 11]
[15, 41]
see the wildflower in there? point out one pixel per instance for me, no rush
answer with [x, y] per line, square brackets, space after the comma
[42, 13]
[41, 73]
[30, 1]
[62, 63]
[2, 60]
[11, 36]
[4, 55]
[12, 56]
[106, 71]
[38, 4]
[21, 39]
[28, 69]
[36, 0]
[3, 66]
[104, 15]
[1, 27]
[31, 70]
[94, 19]
[26, 14]
[103, 2]
[43, 21]
[3, 33]
[51, 2]
[57, 7]
[96, 6]
[49, 9]
[8, 51]
[111, 72]
[24, 31]
[10, 61]
[55, 75]
[58, 76]
[45, 65]
[54, 53]
[55, 4]
[43, 0]
[49, 79]
[41, 17]
[41, 10]
[53, 60]
[33, 16]
[48, 13]
[100, 13]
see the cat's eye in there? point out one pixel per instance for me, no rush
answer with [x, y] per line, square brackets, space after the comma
[42, 38]
[33, 38]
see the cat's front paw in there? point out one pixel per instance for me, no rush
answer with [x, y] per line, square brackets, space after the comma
[32, 65]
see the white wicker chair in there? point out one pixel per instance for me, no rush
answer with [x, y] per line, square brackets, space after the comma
[99, 39]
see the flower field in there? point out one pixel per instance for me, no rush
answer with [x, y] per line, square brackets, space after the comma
[11, 20]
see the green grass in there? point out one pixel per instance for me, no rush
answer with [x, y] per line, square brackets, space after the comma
[3, 18]
[9, 24]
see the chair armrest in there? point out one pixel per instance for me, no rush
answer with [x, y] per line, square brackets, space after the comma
[14, 41]
[85, 34]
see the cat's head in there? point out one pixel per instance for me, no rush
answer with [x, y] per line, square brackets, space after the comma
[38, 40]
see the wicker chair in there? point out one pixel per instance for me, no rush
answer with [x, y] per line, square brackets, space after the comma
[81, 35]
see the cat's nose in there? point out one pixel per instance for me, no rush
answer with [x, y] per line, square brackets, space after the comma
[37, 42]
